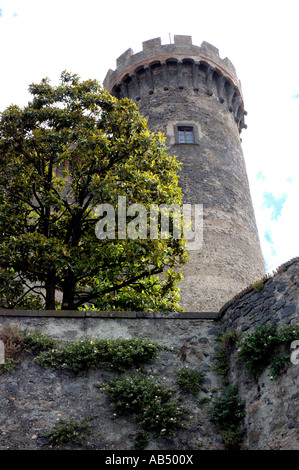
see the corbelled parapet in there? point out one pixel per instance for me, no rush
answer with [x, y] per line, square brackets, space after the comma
[198, 67]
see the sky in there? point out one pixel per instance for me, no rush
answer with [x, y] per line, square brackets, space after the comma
[41, 38]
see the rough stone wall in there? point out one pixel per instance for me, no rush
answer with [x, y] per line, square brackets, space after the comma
[272, 418]
[33, 398]
[277, 303]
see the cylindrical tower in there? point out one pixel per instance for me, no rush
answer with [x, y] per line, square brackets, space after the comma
[194, 97]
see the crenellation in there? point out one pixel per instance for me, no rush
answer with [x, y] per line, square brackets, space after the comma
[187, 72]
[208, 50]
[183, 40]
[151, 44]
[123, 58]
[181, 49]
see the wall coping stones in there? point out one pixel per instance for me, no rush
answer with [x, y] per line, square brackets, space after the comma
[246, 303]
[109, 314]
[249, 292]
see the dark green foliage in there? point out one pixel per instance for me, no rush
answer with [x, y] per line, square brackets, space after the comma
[189, 380]
[226, 344]
[81, 355]
[141, 439]
[71, 149]
[227, 413]
[268, 347]
[77, 356]
[36, 342]
[228, 410]
[155, 407]
[71, 432]
[9, 366]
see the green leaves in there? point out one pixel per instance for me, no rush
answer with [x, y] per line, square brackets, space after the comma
[190, 381]
[227, 412]
[266, 346]
[83, 354]
[155, 406]
[74, 146]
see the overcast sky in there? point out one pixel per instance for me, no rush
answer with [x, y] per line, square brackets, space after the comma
[42, 38]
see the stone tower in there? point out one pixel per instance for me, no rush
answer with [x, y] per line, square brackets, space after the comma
[194, 97]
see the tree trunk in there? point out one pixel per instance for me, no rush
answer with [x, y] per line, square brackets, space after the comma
[69, 290]
[50, 292]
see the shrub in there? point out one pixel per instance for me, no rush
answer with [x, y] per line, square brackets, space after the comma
[258, 285]
[154, 406]
[36, 342]
[226, 343]
[190, 381]
[12, 339]
[266, 347]
[80, 355]
[66, 433]
[77, 356]
[227, 412]
[141, 439]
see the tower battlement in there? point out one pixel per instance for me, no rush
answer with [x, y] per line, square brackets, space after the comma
[198, 67]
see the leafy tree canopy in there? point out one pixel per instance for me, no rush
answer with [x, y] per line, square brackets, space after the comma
[73, 147]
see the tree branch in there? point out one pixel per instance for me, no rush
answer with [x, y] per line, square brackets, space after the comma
[117, 287]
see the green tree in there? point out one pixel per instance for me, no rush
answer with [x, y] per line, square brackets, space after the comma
[73, 147]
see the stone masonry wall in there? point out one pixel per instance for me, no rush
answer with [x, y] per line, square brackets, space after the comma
[34, 398]
[272, 405]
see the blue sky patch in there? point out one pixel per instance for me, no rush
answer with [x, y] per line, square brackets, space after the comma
[276, 203]
[260, 176]
[268, 238]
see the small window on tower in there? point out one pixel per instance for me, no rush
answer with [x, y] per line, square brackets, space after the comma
[185, 134]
